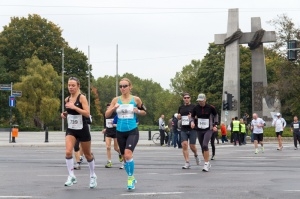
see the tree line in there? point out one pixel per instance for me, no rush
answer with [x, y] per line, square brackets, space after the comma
[31, 57]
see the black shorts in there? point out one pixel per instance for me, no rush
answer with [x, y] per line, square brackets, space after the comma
[190, 136]
[128, 140]
[82, 135]
[111, 133]
[258, 137]
[279, 133]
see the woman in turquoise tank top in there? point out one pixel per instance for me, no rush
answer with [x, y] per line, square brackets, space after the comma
[127, 107]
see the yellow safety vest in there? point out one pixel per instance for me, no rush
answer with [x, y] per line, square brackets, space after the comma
[243, 128]
[235, 125]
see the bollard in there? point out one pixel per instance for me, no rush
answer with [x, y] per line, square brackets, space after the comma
[149, 134]
[46, 134]
[15, 133]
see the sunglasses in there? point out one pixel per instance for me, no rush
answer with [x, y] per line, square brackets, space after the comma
[186, 97]
[123, 86]
[74, 78]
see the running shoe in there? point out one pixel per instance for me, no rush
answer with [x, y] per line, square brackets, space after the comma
[262, 149]
[81, 159]
[206, 167]
[256, 151]
[120, 158]
[295, 148]
[70, 181]
[93, 181]
[197, 160]
[212, 157]
[77, 166]
[122, 166]
[186, 166]
[108, 164]
[131, 183]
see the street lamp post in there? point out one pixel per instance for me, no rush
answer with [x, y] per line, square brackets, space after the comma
[89, 79]
[62, 88]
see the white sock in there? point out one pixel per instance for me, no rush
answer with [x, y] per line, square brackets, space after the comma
[206, 162]
[92, 168]
[70, 166]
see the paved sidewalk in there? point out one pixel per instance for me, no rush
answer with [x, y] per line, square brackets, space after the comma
[57, 138]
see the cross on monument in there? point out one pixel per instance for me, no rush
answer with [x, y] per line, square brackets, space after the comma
[231, 82]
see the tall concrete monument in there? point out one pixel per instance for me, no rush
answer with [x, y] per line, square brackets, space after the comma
[231, 83]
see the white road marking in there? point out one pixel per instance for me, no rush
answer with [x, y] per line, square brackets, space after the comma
[16, 197]
[151, 193]
[177, 174]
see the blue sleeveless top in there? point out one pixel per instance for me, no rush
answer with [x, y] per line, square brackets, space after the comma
[126, 116]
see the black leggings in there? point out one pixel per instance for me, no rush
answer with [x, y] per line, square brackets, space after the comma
[296, 138]
[212, 142]
[128, 140]
[203, 137]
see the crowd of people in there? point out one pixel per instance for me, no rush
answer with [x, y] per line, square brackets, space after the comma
[190, 123]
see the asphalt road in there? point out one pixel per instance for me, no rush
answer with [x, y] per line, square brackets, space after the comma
[40, 172]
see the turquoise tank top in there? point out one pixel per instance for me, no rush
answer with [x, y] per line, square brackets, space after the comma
[126, 116]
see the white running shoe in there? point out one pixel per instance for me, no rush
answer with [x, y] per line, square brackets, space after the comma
[93, 182]
[262, 149]
[256, 151]
[186, 166]
[70, 181]
[122, 166]
[206, 167]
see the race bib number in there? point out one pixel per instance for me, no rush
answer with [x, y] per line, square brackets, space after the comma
[125, 111]
[296, 126]
[185, 120]
[109, 123]
[75, 122]
[203, 123]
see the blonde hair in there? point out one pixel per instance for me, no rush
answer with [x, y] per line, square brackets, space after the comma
[127, 80]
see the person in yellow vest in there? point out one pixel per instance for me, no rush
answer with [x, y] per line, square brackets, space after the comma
[243, 132]
[236, 129]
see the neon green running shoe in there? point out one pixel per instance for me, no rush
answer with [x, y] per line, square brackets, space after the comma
[108, 164]
[131, 183]
[120, 158]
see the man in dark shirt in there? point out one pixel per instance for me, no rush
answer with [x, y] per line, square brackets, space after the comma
[187, 133]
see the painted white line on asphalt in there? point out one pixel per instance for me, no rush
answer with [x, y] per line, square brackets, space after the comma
[148, 194]
[292, 190]
[179, 174]
[251, 173]
[16, 197]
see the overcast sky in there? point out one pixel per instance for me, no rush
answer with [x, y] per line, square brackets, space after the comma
[155, 38]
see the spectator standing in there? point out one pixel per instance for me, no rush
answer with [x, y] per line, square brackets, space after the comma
[161, 126]
[223, 133]
[243, 132]
[236, 130]
[170, 134]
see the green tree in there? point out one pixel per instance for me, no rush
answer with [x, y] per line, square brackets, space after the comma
[39, 104]
[286, 74]
[24, 37]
